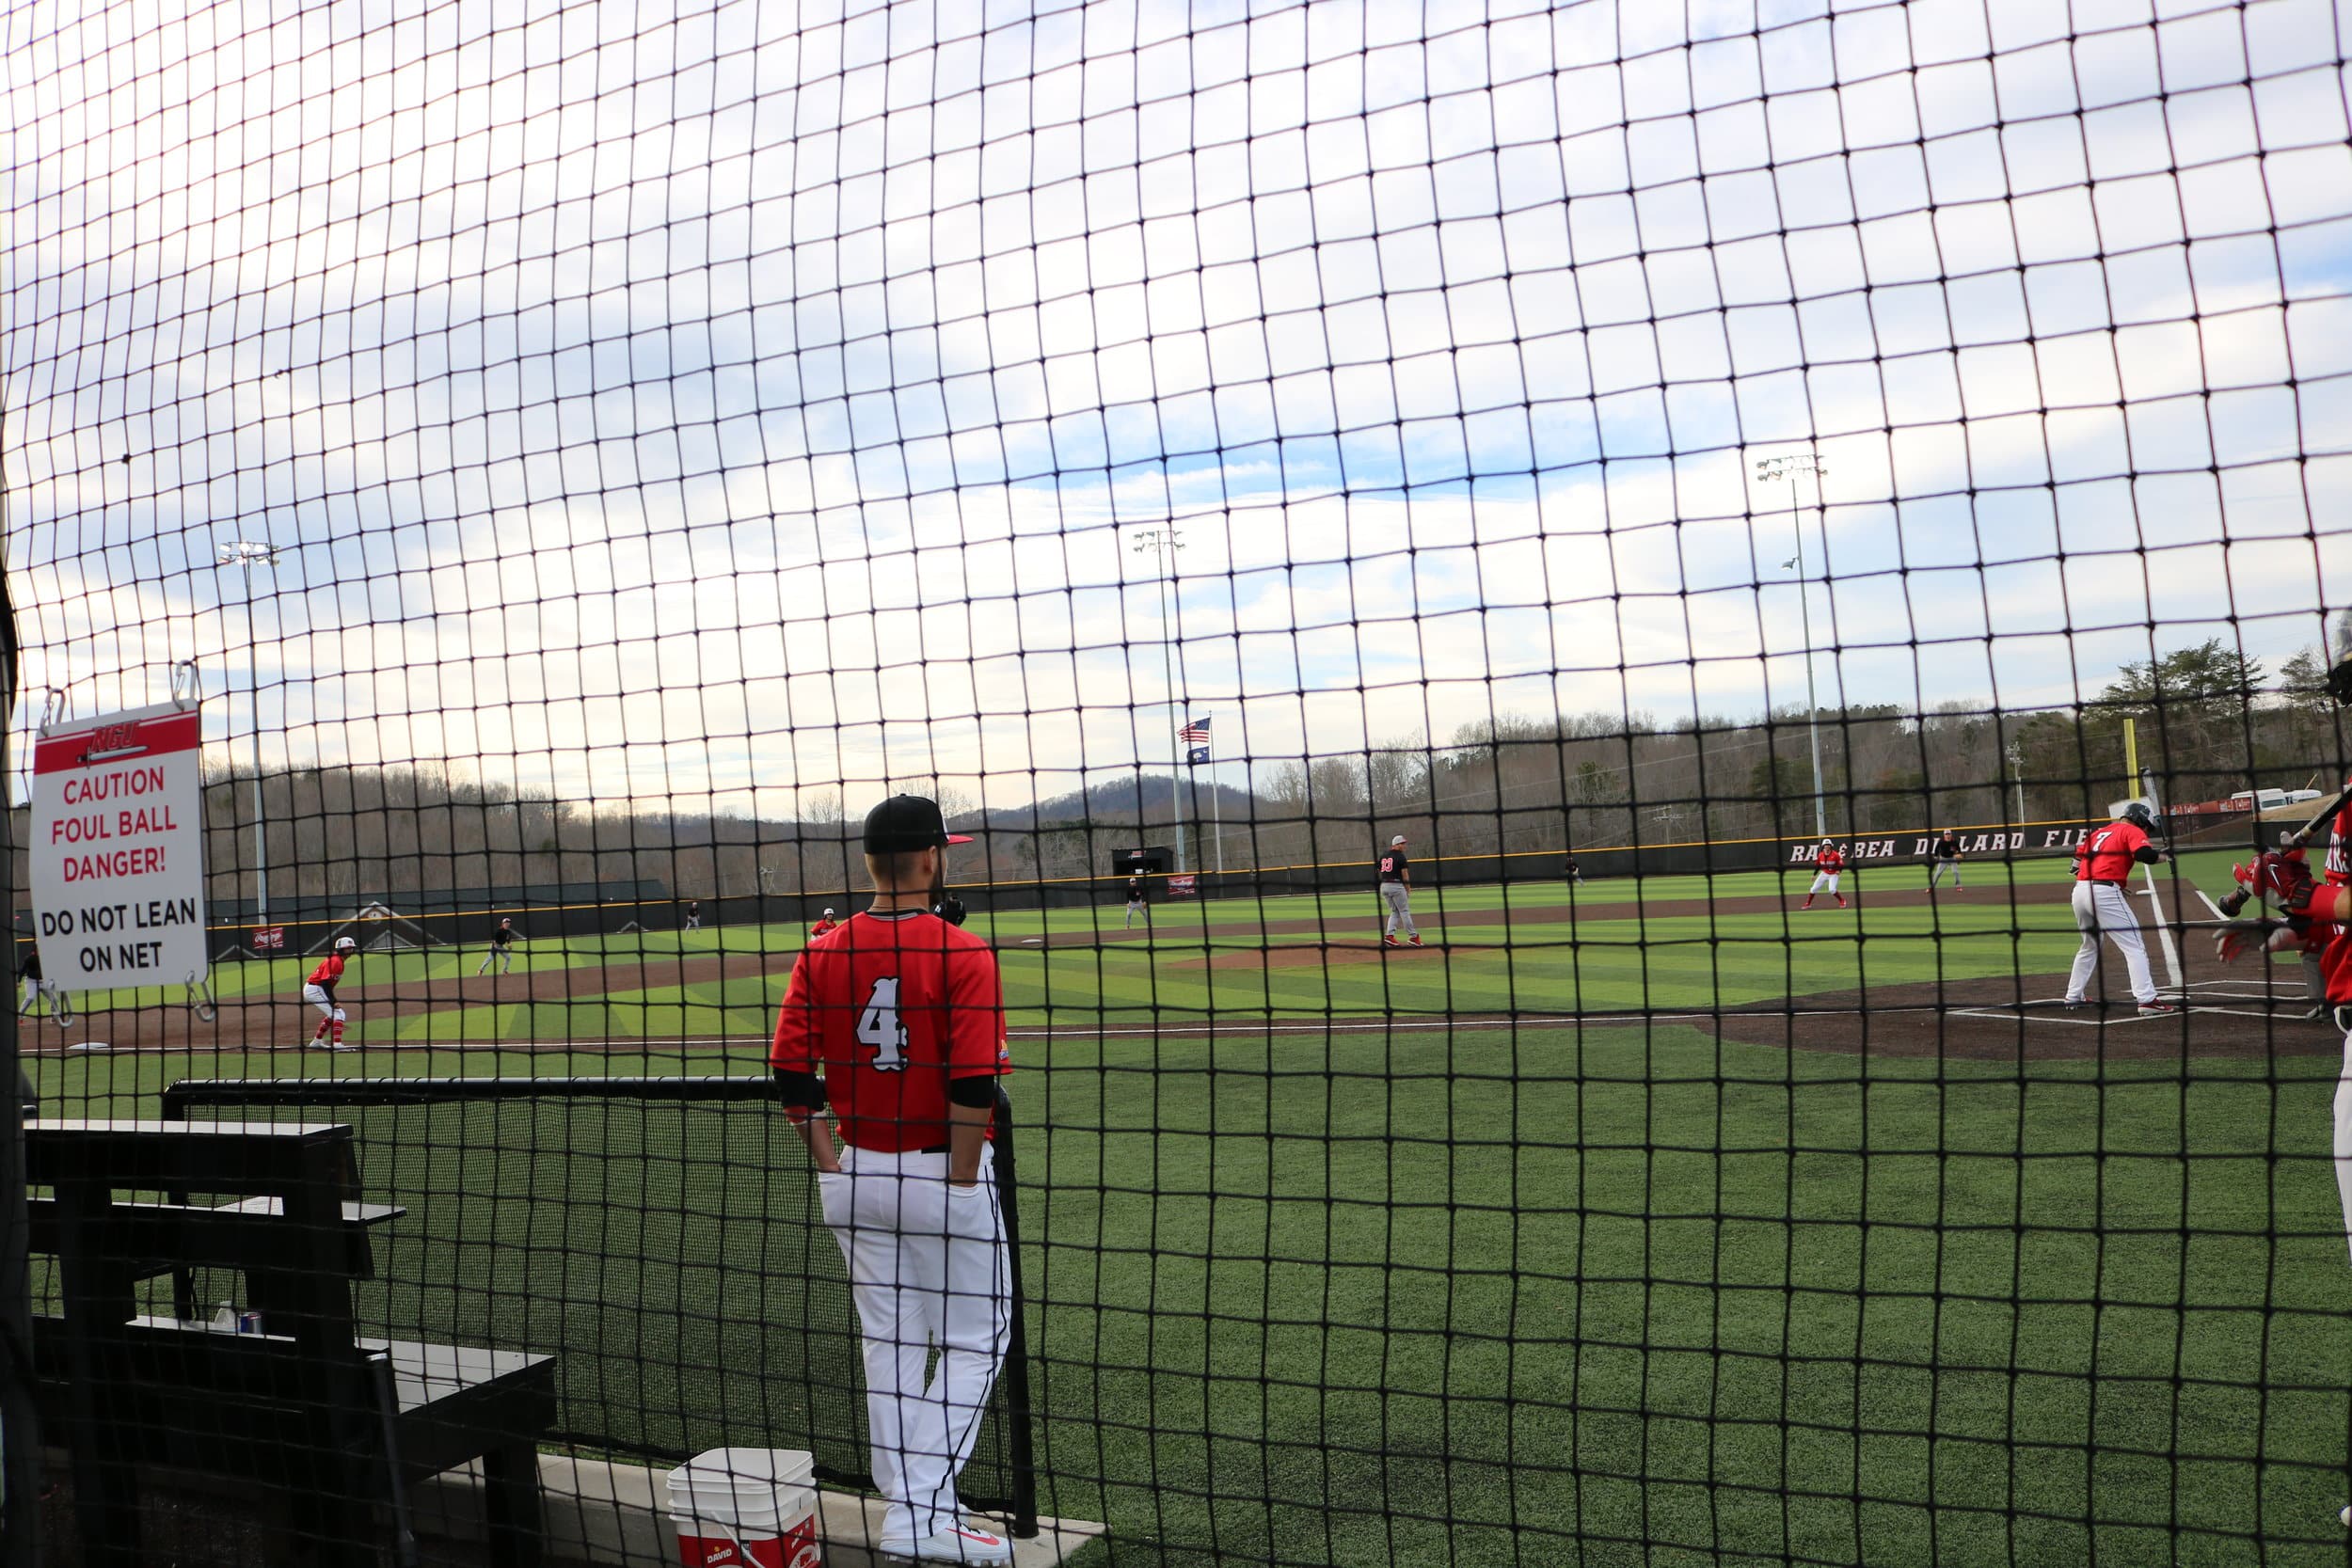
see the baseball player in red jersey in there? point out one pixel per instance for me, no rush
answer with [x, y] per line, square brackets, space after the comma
[2102, 864]
[1828, 860]
[2314, 910]
[828, 923]
[903, 1013]
[319, 991]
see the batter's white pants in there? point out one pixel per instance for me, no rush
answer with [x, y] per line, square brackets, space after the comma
[1400, 901]
[316, 996]
[2343, 1128]
[928, 1266]
[1823, 881]
[2100, 911]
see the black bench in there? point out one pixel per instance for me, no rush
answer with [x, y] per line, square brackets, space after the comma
[343, 1426]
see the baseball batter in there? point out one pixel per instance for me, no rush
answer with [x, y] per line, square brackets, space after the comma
[903, 1013]
[502, 948]
[1135, 904]
[2102, 864]
[1944, 855]
[1396, 891]
[1829, 863]
[319, 991]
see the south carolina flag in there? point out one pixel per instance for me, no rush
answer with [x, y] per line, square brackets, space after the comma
[1195, 734]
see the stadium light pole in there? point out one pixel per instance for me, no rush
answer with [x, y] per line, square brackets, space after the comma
[1164, 541]
[1788, 466]
[245, 554]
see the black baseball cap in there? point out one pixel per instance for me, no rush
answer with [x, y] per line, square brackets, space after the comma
[906, 822]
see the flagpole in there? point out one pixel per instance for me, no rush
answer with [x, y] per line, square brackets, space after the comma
[1216, 812]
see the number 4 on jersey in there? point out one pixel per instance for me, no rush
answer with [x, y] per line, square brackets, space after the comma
[878, 1027]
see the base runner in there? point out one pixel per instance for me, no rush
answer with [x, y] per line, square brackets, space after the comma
[37, 988]
[2102, 864]
[1396, 891]
[1828, 862]
[502, 948]
[903, 1013]
[319, 991]
[1943, 856]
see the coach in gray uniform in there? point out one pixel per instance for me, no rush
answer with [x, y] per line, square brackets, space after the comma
[1396, 891]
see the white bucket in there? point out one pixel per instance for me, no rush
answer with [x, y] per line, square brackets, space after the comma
[746, 1508]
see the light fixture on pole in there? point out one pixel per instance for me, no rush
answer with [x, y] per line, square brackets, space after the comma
[1789, 466]
[1164, 541]
[247, 554]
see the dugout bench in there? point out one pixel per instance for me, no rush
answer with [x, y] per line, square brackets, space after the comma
[343, 1426]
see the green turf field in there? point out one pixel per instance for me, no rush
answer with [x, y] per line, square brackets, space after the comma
[1611, 1294]
[1593, 949]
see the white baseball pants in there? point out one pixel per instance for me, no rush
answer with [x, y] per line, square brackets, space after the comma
[2344, 1127]
[2100, 911]
[928, 1266]
[502, 956]
[1400, 901]
[1937, 869]
[1823, 881]
[317, 997]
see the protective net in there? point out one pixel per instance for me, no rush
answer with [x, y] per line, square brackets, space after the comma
[1606, 665]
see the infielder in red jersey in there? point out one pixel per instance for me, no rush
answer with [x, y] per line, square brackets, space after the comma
[903, 1015]
[828, 923]
[2102, 864]
[1828, 862]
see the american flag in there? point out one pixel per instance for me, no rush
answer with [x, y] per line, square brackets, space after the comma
[1195, 732]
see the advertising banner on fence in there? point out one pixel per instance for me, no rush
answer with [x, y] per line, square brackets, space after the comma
[1183, 884]
[118, 849]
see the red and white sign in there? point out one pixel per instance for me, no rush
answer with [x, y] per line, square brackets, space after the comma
[1182, 884]
[269, 938]
[118, 849]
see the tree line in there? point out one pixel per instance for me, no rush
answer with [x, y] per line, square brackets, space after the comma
[2209, 721]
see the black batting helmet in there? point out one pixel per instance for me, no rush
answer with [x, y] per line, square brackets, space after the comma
[2137, 812]
[2340, 654]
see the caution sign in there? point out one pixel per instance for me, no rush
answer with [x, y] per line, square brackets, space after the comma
[117, 852]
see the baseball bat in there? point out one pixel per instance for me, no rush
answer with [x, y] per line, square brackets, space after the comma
[2327, 813]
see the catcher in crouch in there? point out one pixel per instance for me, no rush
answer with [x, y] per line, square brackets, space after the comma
[2309, 911]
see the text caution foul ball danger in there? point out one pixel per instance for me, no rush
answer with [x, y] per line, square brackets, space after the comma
[117, 850]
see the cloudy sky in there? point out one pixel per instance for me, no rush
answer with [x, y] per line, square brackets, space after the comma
[677, 400]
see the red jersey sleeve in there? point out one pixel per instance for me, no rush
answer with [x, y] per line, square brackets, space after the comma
[976, 1015]
[797, 1047]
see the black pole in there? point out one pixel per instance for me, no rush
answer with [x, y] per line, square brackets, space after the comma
[20, 1427]
[1020, 1438]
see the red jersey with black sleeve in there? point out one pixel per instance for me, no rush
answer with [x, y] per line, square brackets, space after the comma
[2335, 959]
[2109, 853]
[1829, 858]
[888, 1008]
[330, 970]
